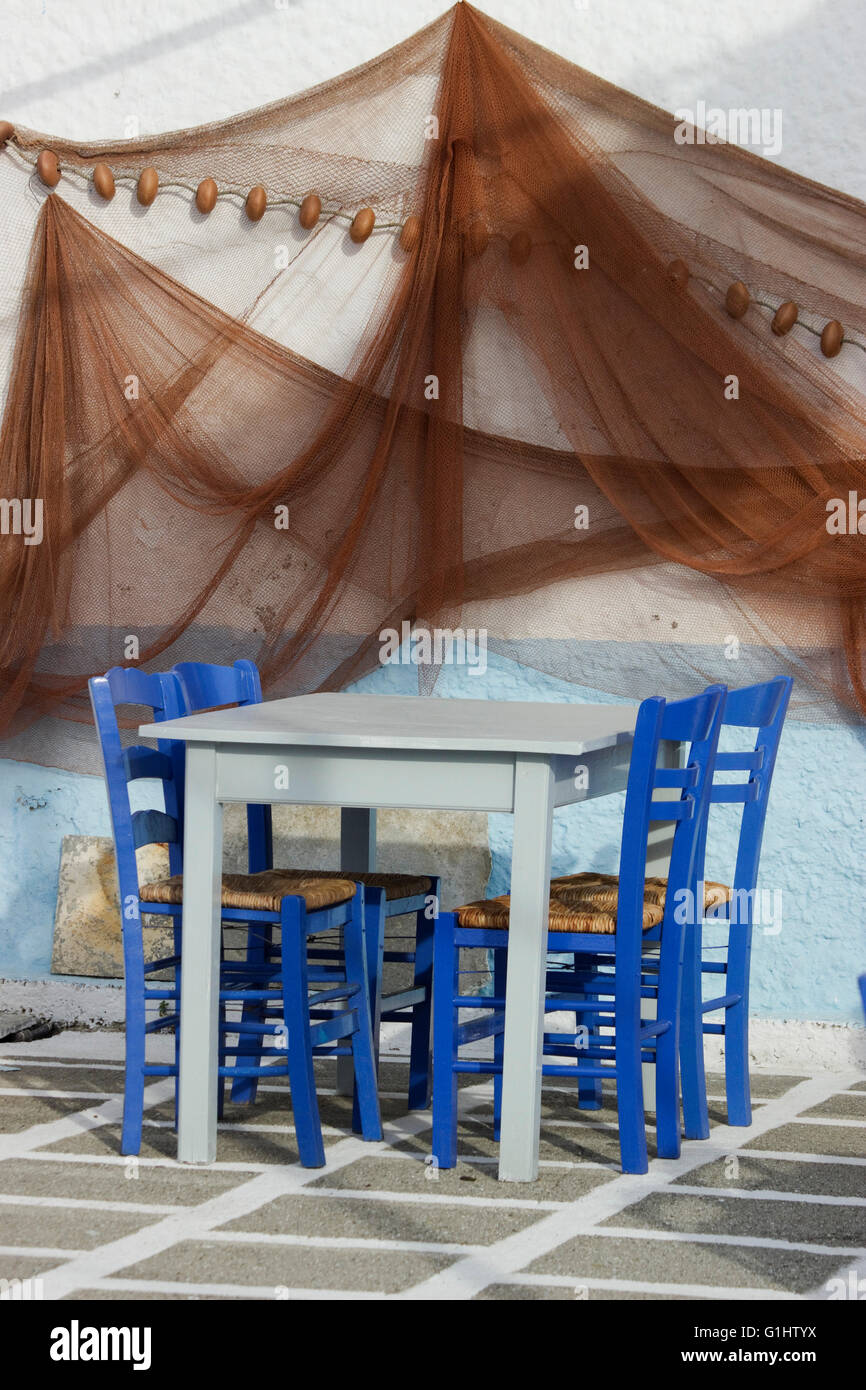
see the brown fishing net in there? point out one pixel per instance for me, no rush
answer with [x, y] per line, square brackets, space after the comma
[254, 439]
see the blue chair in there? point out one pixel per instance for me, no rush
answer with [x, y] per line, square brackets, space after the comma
[206, 686]
[620, 972]
[762, 707]
[303, 1012]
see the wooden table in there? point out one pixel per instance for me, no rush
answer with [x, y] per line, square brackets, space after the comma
[361, 752]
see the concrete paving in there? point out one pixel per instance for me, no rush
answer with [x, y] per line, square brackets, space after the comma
[775, 1211]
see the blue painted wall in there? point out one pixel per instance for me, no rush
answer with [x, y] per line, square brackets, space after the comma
[813, 848]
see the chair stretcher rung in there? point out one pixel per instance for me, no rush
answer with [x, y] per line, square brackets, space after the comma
[404, 999]
[723, 1002]
[477, 1028]
[168, 1021]
[339, 1025]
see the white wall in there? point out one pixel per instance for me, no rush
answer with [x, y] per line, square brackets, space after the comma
[81, 67]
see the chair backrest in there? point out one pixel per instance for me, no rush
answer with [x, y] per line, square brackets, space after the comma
[161, 694]
[205, 686]
[762, 707]
[696, 721]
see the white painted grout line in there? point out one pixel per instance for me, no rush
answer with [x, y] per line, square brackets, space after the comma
[795, 1156]
[15, 1199]
[118, 1161]
[443, 1199]
[270, 1292]
[564, 1281]
[42, 1252]
[21, 1060]
[829, 1121]
[467, 1277]
[360, 1243]
[30, 1094]
[804, 1247]
[767, 1195]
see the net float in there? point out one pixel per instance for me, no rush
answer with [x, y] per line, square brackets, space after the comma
[103, 181]
[206, 195]
[411, 234]
[148, 184]
[678, 272]
[362, 224]
[784, 318]
[47, 168]
[257, 201]
[310, 211]
[831, 338]
[737, 300]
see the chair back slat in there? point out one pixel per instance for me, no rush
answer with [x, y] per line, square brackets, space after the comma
[735, 792]
[141, 762]
[154, 828]
[739, 762]
[207, 686]
[676, 776]
[672, 810]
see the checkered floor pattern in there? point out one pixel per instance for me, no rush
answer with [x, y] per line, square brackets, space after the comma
[777, 1211]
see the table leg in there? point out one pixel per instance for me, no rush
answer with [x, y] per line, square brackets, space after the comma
[199, 1004]
[357, 839]
[527, 957]
[358, 853]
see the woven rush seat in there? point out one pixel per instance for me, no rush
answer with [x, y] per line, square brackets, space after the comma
[585, 903]
[605, 890]
[395, 885]
[580, 913]
[262, 892]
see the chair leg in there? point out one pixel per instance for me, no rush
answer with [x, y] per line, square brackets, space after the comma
[668, 1141]
[629, 1088]
[296, 1010]
[136, 1040]
[589, 1094]
[357, 957]
[445, 1017]
[500, 971]
[738, 1089]
[420, 1069]
[374, 948]
[244, 1088]
[696, 1120]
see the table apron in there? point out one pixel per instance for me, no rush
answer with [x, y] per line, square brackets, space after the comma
[438, 779]
[405, 778]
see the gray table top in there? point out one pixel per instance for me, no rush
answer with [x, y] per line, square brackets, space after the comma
[406, 721]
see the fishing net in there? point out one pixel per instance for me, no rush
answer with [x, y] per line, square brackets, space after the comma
[549, 397]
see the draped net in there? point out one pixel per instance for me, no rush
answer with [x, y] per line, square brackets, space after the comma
[426, 424]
